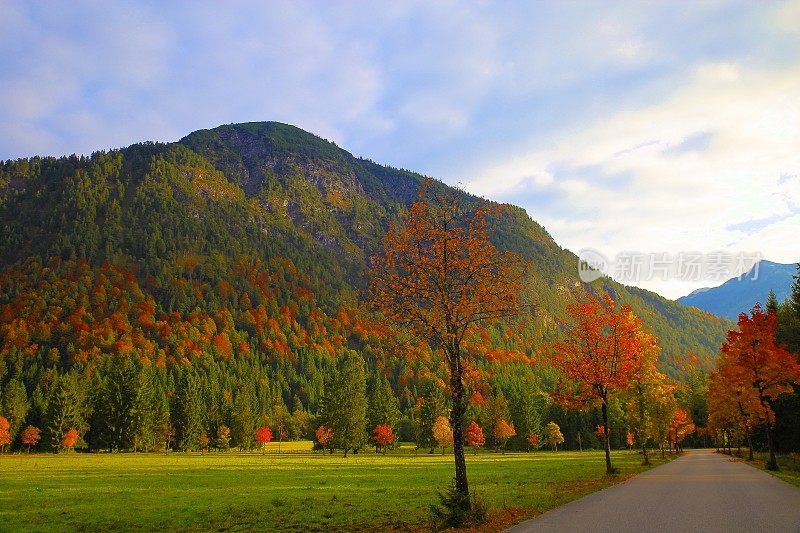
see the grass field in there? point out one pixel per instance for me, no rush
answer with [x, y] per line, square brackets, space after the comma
[789, 466]
[293, 491]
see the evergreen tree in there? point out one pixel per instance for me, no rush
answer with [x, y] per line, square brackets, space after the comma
[383, 405]
[143, 411]
[15, 406]
[190, 408]
[346, 409]
[112, 423]
[772, 302]
[495, 410]
[794, 297]
[162, 425]
[428, 409]
[528, 406]
[244, 421]
[65, 411]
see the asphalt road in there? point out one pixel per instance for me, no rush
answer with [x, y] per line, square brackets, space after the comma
[701, 491]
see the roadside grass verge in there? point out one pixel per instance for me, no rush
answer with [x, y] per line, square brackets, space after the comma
[789, 465]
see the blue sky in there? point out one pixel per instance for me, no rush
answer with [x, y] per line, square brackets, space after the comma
[633, 126]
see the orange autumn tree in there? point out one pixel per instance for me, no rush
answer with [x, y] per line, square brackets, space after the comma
[760, 367]
[502, 432]
[30, 437]
[264, 437]
[600, 353]
[324, 436]
[383, 436]
[440, 276]
[474, 436]
[680, 427]
[733, 407]
[70, 438]
[5, 434]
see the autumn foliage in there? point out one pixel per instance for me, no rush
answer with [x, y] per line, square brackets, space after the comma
[383, 436]
[5, 435]
[443, 433]
[439, 277]
[752, 373]
[680, 427]
[601, 352]
[474, 436]
[70, 438]
[30, 436]
[263, 436]
[324, 436]
[503, 431]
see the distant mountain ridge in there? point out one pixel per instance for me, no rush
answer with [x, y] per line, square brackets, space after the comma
[741, 293]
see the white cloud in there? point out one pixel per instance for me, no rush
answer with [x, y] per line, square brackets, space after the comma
[674, 200]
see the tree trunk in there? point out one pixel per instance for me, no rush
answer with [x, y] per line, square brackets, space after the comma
[609, 468]
[749, 446]
[646, 460]
[457, 421]
[772, 464]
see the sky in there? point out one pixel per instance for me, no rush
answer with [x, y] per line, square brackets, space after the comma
[666, 128]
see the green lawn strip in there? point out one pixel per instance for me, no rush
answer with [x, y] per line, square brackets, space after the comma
[789, 466]
[287, 492]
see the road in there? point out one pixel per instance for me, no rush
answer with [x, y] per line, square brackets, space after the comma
[701, 491]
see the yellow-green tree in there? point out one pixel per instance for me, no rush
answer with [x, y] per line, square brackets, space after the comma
[552, 435]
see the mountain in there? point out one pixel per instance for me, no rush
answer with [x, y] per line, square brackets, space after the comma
[740, 294]
[237, 218]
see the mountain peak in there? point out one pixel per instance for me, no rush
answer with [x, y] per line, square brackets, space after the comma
[274, 136]
[741, 293]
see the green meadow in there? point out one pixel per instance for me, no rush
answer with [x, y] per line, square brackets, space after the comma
[292, 491]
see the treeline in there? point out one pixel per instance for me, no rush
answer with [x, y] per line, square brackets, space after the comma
[754, 392]
[91, 358]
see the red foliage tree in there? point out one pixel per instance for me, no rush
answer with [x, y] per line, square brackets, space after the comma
[5, 434]
[533, 440]
[30, 437]
[70, 438]
[760, 367]
[324, 436]
[441, 276]
[383, 436]
[474, 436]
[601, 352]
[263, 437]
[679, 428]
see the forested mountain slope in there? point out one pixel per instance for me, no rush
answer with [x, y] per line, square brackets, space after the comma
[170, 212]
[228, 269]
